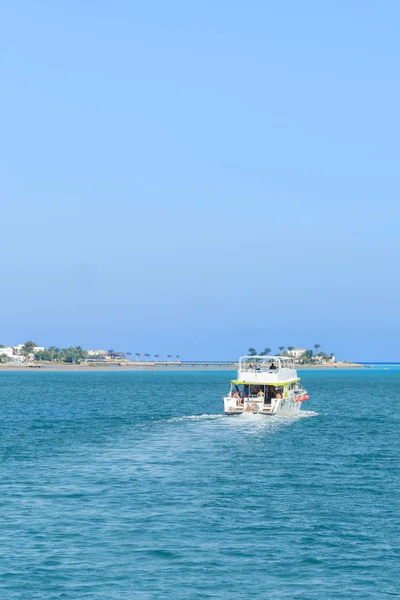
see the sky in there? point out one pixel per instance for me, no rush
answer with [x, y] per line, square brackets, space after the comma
[195, 178]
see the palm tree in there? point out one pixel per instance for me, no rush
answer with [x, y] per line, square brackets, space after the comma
[281, 348]
[252, 352]
[307, 356]
[316, 346]
[169, 356]
[265, 352]
[291, 348]
[25, 353]
[156, 357]
[137, 354]
[54, 353]
[177, 358]
[147, 356]
[30, 345]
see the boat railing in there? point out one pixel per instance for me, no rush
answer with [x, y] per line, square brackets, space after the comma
[265, 364]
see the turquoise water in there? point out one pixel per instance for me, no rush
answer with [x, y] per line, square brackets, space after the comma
[106, 496]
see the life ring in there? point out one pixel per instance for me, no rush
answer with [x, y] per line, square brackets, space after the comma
[255, 408]
[299, 399]
[305, 397]
[248, 408]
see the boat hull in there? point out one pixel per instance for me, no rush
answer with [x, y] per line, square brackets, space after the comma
[286, 407]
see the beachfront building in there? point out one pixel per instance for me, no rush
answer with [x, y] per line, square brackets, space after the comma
[97, 356]
[296, 353]
[7, 351]
[11, 354]
[106, 356]
[20, 352]
[113, 355]
[20, 347]
[323, 359]
[16, 354]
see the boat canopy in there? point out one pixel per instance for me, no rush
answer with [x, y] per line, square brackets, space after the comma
[266, 363]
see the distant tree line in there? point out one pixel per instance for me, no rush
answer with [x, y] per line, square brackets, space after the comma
[307, 357]
[156, 357]
[253, 352]
[72, 354]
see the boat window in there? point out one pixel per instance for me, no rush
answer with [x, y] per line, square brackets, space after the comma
[241, 389]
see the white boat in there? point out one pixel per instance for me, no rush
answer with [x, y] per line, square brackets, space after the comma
[266, 385]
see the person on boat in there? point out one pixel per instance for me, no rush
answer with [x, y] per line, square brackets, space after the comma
[237, 396]
[260, 394]
[267, 395]
[245, 391]
[273, 367]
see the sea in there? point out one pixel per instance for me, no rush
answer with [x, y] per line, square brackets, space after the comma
[134, 485]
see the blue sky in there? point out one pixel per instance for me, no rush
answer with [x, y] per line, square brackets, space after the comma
[196, 178]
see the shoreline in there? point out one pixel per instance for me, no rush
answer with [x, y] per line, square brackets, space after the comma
[152, 367]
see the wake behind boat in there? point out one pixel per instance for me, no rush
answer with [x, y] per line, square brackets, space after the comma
[266, 385]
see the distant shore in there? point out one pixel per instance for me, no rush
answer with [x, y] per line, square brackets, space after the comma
[337, 365]
[147, 366]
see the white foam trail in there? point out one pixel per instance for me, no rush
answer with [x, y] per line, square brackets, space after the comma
[252, 424]
[256, 417]
[246, 416]
[307, 413]
[194, 418]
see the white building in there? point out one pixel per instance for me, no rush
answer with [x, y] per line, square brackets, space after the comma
[8, 351]
[12, 354]
[35, 349]
[98, 354]
[319, 359]
[297, 352]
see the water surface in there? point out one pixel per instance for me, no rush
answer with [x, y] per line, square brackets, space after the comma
[135, 485]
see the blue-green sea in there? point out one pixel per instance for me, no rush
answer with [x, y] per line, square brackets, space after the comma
[136, 486]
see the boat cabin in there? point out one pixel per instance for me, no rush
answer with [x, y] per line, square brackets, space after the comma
[266, 369]
[264, 393]
[266, 384]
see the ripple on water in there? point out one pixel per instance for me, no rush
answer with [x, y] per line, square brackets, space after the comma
[105, 496]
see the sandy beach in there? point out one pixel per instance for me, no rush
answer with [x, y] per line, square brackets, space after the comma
[146, 366]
